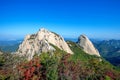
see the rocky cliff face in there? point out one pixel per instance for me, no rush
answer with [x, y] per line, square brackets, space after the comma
[87, 45]
[41, 42]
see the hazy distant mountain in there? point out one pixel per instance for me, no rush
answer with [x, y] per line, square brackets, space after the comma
[10, 42]
[10, 46]
[109, 49]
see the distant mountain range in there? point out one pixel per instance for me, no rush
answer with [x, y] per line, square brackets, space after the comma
[10, 46]
[109, 49]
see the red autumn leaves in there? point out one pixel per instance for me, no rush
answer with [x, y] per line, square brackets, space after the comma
[30, 69]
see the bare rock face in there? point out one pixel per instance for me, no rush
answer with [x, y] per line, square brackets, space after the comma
[87, 45]
[41, 42]
[1, 53]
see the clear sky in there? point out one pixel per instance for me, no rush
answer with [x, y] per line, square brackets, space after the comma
[69, 18]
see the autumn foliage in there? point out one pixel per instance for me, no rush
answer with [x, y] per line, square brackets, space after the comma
[30, 70]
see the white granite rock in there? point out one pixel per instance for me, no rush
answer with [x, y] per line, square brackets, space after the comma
[40, 42]
[87, 45]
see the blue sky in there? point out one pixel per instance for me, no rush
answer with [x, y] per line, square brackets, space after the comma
[69, 18]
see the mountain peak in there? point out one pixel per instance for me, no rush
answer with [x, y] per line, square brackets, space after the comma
[41, 42]
[83, 36]
[43, 30]
[87, 46]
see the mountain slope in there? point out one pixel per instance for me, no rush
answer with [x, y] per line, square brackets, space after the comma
[63, 66]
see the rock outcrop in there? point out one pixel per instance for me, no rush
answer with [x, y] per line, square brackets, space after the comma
[41, 42]
[1, 53]
[87, 45]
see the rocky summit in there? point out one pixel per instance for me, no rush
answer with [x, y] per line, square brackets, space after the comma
[87, 45]
[41, 42]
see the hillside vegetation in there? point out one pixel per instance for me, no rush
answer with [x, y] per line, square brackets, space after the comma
[58, 66]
